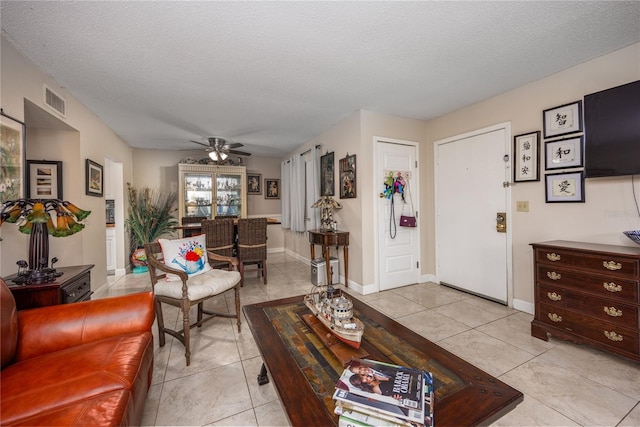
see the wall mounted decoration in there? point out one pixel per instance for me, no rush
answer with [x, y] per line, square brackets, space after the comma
[94, 179]
[564, 153]
[254, 183]
[348, 177]
[327, 187]
[564, 187]
[44, 179]
[12, 157]
[272, 188]
[526, 157]
[562, 120]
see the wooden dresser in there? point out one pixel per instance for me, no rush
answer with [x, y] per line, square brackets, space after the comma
[588, 293]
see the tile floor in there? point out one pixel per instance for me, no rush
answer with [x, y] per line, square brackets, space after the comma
[564, 384]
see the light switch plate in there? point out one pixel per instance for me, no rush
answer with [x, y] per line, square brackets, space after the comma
[522, 206]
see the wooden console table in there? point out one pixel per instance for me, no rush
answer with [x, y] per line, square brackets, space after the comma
[74, 285]
[328, 239]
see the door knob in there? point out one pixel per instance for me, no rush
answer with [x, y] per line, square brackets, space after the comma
[501, 222]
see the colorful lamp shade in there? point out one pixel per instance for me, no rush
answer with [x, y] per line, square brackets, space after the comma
[41, 218]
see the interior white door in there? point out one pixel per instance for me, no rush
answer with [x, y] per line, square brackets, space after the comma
[470, 172]
[398, 247]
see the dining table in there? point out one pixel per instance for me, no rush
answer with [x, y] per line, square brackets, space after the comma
[196, 227]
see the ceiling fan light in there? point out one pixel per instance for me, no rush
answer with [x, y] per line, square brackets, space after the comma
[214, 156]
[223, 156]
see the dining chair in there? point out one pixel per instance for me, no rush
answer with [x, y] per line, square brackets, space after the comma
[220, 236]
[182, 277]
[186, 220]
[252, 246]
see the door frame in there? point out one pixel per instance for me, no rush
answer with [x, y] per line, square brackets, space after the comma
[376, 194]
[508, 182]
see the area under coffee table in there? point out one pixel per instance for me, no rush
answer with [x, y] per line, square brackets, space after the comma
[304, 372]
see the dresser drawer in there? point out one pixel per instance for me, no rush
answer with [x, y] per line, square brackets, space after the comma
[605, 333]
[78, 290]
[603, 285]
[612, 265]
[611, 311]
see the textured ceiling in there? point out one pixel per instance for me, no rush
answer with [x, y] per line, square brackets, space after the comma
[273, 75]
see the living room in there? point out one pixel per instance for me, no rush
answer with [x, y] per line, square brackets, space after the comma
[608, 209]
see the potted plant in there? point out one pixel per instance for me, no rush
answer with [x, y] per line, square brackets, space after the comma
[150, 217]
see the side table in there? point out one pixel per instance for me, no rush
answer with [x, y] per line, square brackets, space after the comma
[327, 239]
[74, 285]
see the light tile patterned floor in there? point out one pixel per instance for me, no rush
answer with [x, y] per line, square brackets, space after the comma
[564, 384]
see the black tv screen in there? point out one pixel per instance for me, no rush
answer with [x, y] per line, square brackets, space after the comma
[612, 131]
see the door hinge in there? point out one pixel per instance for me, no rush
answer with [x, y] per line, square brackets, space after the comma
[416, 164]
[417, 264]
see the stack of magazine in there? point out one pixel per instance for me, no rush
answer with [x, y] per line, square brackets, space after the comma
[371, 393]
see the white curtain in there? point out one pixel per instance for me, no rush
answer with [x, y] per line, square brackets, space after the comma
[313, 190]
[297, 194]
[285, 173]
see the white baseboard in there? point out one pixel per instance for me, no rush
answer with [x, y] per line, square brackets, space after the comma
[525, 306]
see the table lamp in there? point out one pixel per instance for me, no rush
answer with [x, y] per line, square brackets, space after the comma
[327, 203]
[34, 217]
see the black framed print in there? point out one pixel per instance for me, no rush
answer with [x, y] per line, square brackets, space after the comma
[526, 157]
[254, 183]
[327, 187]
[564, 153]
[272, 188]
[94, 179]
[348, 177]
[44, 179]
[562, 120]
[564, 187]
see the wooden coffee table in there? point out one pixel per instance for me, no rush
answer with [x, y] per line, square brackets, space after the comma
[304, 372]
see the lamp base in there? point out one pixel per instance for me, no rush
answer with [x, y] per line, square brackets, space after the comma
[37, 277]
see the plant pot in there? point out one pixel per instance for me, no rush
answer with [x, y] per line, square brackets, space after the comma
[139, 261]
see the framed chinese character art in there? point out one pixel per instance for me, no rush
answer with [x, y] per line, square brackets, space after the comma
[327, 187]
[564, 153]
[564, 187]
[526, 158]
[562, 120]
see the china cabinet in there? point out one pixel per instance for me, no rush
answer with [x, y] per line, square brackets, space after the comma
[210, 190]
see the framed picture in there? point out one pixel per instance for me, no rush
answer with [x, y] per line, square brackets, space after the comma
[44, 179]
[327, 187]
[254, 183]
[12, 158]
[348, 177]
[564, 187]
[94, 179]
[562, 120]
[272, 188]
[565, 153]
[526, 157]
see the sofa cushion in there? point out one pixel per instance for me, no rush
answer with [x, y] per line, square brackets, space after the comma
[108, 409]
[9, 318]
[51, 381]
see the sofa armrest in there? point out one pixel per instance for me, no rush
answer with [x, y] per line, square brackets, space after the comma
[48, 329]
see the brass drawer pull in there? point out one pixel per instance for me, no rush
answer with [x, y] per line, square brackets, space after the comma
[553, 275]
[611, 265]
[612, 311]
[553, 296]
[613, 336]
[553, 257]
[554, 317]
[612, 287]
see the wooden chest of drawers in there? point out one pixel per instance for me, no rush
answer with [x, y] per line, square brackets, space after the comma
[589, 294]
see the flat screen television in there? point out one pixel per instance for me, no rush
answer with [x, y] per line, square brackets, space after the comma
[612, 131]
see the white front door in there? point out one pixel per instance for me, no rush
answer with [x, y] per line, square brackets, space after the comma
[398, 247]
[470, 171]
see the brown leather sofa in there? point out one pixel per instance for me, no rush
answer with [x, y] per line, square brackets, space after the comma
[87, 363]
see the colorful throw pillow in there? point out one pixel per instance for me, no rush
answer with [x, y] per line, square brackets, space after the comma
[188, 254]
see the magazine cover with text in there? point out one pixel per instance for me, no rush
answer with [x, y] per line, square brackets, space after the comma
[383, 387]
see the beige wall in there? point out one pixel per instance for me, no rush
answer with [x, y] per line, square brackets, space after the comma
[609, 208]
[22, 80]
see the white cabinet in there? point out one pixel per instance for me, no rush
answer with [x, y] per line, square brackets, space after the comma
[210, 190]
[111, 248]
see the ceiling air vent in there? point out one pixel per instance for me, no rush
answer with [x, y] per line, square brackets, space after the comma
[55, 101]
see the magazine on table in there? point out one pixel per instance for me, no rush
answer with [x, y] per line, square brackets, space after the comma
[383, 388]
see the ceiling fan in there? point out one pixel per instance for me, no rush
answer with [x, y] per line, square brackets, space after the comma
[219, 148]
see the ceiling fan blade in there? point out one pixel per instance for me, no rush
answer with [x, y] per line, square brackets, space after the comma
[240, 153]
[201, 143]
[233, 145]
